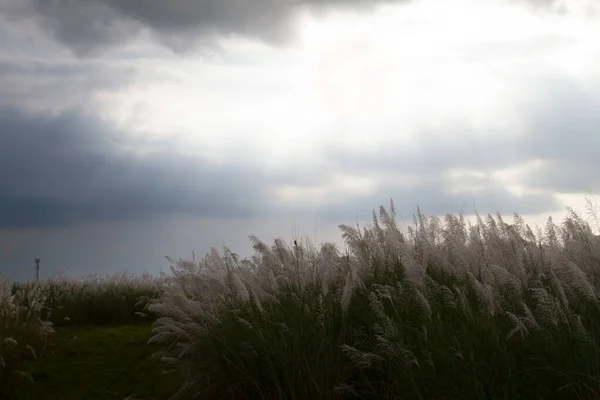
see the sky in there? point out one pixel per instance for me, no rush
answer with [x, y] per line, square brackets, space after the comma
[131, 130]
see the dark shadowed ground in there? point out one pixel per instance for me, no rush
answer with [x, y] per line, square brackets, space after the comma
[102, 363]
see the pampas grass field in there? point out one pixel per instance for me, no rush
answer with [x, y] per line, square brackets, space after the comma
[445, 310]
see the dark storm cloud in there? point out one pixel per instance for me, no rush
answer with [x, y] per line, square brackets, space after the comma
[70, 169]
[73, 168]
[87, 25]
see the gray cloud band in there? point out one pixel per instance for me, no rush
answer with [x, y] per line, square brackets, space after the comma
[90, 25]
[66, 170]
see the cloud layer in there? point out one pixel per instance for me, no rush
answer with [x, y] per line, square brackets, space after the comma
[70, 169]
[87, 26]
[102, 150]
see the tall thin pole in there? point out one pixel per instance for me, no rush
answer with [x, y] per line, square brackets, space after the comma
[37, 269]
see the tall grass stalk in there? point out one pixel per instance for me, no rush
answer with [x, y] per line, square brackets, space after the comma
[448, 309]
[24, 334]
[96, 299]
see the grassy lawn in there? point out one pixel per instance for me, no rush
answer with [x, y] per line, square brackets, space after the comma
[100, 363]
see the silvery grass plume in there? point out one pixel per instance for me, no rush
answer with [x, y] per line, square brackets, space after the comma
[448, 309]
[97, 299]
[24, 333]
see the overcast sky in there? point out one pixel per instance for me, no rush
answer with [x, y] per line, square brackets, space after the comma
[131, 130]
